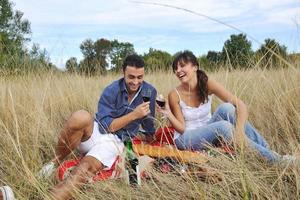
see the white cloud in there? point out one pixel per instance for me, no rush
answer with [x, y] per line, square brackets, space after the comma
[122, 12]
[61, 25]
[288, 16]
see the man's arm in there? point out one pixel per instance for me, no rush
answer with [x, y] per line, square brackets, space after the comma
[139, 112]
[107, 107]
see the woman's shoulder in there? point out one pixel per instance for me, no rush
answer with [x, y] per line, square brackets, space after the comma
[173, 95]
[212, 85]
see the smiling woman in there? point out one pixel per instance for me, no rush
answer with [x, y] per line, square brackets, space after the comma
[189, 111]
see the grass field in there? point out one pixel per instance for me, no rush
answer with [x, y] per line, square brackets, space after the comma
[33, 108]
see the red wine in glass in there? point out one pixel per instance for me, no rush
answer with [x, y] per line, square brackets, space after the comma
[161, 103]
[146, 94]
[146, 99]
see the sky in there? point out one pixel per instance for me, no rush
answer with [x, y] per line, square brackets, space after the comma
[60, 26]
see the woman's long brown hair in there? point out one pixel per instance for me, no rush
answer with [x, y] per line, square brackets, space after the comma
[186, 57]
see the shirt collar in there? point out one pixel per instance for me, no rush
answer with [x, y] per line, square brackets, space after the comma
[123, 86]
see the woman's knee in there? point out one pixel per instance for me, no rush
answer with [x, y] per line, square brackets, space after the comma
[225, 129]
[226, 110]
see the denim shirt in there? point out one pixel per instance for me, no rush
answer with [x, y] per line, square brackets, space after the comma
[114, 103]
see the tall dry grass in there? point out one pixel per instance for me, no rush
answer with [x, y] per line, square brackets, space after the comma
[33, 108]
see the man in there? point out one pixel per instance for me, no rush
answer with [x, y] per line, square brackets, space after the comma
[121, 112]
[6, 193]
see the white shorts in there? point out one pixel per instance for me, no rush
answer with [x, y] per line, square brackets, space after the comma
[103, 147]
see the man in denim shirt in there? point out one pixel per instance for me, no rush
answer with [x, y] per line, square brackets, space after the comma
[119, 102]
[121, 112]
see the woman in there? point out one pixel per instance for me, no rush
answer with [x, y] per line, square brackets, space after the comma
[189, 111]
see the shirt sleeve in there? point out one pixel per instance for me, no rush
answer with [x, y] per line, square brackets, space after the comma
[148, 123]
[106, 108]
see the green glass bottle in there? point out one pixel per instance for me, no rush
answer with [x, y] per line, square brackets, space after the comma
[133, 162]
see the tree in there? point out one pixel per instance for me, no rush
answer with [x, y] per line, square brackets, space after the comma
[14, 33]
[87, 49]
[39, 59]
[102, 49]
[72, 65]
[95, 55]
[14, 30]
[237, 51]
[271, 53]
[119, 51]
[158, 60]
[214, 57]
[87, 64]
[211, 61]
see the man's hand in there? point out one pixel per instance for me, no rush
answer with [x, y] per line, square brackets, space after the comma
[142, 110]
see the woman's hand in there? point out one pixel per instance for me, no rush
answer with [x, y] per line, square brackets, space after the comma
[164, 110]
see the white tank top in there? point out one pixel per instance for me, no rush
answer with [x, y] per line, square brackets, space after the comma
[194, 117]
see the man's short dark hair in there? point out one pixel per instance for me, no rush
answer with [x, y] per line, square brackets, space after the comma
[133, 60]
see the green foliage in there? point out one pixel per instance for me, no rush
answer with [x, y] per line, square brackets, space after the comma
[13, 29]
[211, 61]
[95, 55]
[72, 65]
[88, 51]
[119, 51]
[14, 33]
[158, 60]
[214, 57]
[237, 51]
[87, 48]
[102, 49]
[39, 59]
[271, 53]
[103, 54]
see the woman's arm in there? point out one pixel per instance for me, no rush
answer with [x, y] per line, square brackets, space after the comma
[241, 109]
[173, 112]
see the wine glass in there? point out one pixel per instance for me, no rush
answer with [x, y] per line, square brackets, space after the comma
[146, 95]
[160, 100]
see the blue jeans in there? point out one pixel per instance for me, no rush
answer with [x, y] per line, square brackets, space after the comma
[221, 125]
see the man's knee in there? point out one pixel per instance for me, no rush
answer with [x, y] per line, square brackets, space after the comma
[80, 119]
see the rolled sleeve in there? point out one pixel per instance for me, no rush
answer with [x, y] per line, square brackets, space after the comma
[105, 112]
